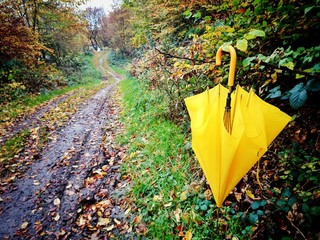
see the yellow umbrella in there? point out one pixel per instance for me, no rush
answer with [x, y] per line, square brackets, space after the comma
[229, 140]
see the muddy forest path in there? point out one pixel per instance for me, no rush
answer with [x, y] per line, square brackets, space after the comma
[71, 187]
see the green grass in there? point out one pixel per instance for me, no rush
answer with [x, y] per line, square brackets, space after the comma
[9, 151]
[169, 197]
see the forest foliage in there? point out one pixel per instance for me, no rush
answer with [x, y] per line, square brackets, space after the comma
[40, 45]
[173, 47]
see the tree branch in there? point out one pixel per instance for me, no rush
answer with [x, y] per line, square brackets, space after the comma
[169, 55]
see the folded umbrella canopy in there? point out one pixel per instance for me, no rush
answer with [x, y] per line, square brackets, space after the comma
[229, 140]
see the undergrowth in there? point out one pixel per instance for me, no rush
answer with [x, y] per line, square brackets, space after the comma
[90, 77]
[170, 195]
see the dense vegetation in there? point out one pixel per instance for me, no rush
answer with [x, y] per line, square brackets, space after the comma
[40, 46]
[174, 44]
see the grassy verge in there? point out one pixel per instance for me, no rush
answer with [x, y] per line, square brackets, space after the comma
[169, 192]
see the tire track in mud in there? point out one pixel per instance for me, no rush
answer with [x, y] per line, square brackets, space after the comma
[77, 169]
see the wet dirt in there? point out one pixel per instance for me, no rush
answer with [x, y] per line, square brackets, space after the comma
[75, 189]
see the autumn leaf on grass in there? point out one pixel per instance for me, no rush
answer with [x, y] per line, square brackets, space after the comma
[183, 196]
[188, 235]
[177, 213]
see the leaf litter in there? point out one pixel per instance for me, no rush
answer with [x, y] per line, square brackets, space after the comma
[72, 187]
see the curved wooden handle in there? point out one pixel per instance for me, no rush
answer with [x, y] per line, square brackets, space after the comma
[233, 63]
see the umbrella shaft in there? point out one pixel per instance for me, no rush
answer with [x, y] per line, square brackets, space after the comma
[228, 102]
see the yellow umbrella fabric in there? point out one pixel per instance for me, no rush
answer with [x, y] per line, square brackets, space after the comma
[226, 157]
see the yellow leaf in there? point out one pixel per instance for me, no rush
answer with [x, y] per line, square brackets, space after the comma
[242, 45]
[274, 77]
[157, 198]
[298, 76]
[103, 221]
[250, 195]
[289, 65]
[188, 235]
[183, 196]
[24, 225]
[230, 30]
[208, 194]
[168, 204]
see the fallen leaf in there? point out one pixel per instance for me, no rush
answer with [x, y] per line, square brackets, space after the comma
[208, 194]
[127, 211]
[157, 198]
[116, 221]
[183, 196]
[188, 235]
[57, 217]
[103, 221]
[250, 195]
[24, 225]
[238, 196]
[177, 213]
[82, 221]
[56, 202]
[36, 182]
[110, 228]
[168, 204]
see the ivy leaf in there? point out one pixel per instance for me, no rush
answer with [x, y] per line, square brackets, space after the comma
[197, 15]
[281, 202]
[308, 9]
[274, 92]
[242, 45]
[289, 65]
[253, 218]
[286, 192]
[255, 205]
[246, 62]
[313, 85]
[187, 14]
[298, 96]
[315, 211]
[254, 34]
